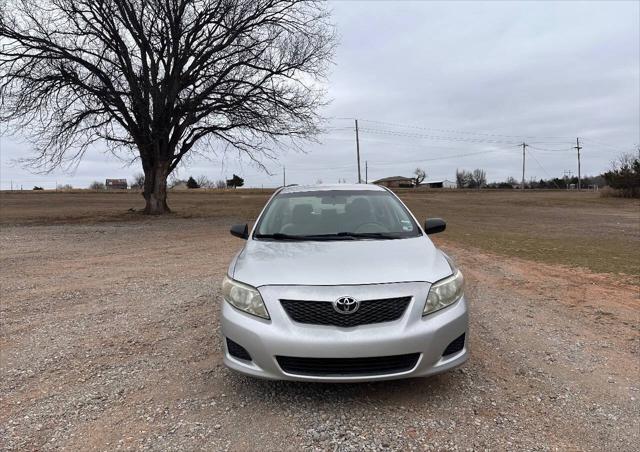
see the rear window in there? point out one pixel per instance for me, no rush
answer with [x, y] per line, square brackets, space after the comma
[336, 212]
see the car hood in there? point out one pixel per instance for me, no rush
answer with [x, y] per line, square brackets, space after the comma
[341, 262]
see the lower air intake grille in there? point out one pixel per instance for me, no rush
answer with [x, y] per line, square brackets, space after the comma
[376, 365]
[455, 346]
[323, 313]
[237, 350]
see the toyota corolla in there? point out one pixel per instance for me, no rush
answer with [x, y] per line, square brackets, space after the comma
[340, 283]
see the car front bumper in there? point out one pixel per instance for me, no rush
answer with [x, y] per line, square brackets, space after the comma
[412, 333]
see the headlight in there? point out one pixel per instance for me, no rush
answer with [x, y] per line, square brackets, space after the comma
[445, 292]
[244, 297]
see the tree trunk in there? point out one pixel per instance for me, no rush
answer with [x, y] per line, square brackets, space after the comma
[155, 188]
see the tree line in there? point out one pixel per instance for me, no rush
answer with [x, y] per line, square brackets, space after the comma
[192, 183]
[137, 183]
[471, 179]
[622, 178]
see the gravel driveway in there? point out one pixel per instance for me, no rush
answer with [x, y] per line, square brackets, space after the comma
[110, 341]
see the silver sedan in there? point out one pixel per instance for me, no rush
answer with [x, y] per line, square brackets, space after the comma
[340, 284]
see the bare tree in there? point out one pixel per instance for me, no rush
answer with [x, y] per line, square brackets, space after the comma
[479, 177]
[220, 183]
[159, 80]
[420, 176]
[97, 186]
[137, 182]
[204, 182]
[471, 179]
[464, 179]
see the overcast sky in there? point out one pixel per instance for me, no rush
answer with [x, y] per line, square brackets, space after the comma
[448, 85]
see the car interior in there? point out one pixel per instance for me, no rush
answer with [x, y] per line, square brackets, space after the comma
[358, 214]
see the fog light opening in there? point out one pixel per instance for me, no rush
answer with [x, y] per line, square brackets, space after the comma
[455, 346]
[237, 351]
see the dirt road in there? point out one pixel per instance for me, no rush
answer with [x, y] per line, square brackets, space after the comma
[110, 341]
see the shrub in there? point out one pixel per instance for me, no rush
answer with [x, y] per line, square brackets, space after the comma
[191, 183]
[624, 176]
[235, 181]
[96, 185]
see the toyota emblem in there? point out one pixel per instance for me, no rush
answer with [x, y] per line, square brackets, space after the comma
[346, 305]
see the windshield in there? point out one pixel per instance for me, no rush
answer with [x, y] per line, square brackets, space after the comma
[336, 214]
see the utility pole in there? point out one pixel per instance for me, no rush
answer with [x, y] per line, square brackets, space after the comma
[578, 147]
[366, 172]
[358, 152]
[284, 176]
[524, 146]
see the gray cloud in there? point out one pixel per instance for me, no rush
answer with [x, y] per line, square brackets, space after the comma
[545, 72]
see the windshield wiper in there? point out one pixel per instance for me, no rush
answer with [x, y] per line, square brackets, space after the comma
[370, 235]
[281, 236]
[337, 236]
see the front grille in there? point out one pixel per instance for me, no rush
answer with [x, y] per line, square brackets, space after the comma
[237, 350]
[322, 312]
[455, 346]
[375, 365]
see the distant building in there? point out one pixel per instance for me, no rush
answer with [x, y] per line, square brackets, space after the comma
[439, 184]
[396, 182]
[116, 184]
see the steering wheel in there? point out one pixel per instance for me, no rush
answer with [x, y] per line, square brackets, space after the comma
[371, 226]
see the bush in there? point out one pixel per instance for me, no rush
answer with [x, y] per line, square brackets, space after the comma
[96, 185]
[38, 188]
[608, 192]
[624, 177]
[191, 183]
[235, 181]
[221, 184]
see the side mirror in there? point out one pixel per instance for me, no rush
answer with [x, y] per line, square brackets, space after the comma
[434, 225]
[240, 230]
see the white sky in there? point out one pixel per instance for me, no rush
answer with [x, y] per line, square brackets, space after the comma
[433, 83]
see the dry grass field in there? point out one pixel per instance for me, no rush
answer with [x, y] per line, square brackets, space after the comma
[110, 336]
[576, 229]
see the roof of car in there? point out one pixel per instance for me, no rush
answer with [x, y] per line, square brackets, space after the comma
[331, 187]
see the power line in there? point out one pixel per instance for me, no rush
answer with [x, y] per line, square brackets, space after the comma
[543, 169]
[408, 126]
[551, 150]
[543, 139]
[438, 158]
[385, 163]
[616, 148]
[434, 137]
